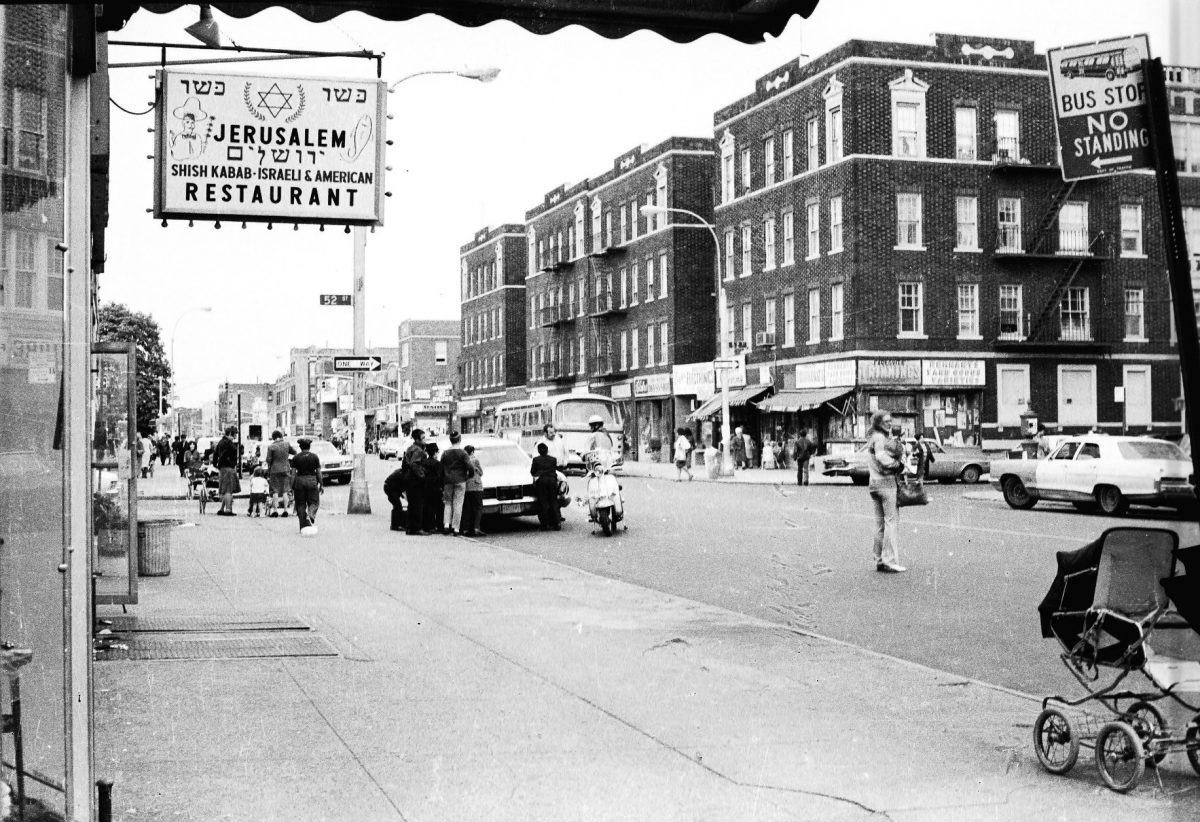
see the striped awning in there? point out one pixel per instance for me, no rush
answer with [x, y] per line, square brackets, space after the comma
[737, 397]
[801, 399]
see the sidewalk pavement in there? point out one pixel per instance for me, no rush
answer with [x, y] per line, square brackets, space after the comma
[474, 682]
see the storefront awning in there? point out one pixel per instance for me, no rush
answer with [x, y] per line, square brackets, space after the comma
[801, 399]
[737, 397]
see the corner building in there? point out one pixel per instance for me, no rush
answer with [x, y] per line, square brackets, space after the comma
[618, 299]
[896, 234]
[492, 358]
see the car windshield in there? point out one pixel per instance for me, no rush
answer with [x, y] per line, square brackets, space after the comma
[500, 455]
[1150, 450]
[577, 412]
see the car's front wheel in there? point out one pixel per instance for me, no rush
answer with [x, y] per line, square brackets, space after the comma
[1111, 501]
[971, 474]
[1017, 495]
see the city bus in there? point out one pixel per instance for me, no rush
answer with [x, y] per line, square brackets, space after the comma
[522, 422]
[1109, 64]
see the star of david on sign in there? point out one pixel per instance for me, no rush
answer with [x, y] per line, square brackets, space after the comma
[274, 100]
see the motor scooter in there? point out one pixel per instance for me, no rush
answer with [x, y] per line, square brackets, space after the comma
[606, 505]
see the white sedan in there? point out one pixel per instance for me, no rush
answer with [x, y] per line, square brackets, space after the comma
[1097, 471]
[507, 483]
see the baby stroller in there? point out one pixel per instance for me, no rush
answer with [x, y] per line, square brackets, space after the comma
[203, 483]
[1113, 602]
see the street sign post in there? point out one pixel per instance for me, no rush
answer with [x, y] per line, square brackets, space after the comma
[336, 299]
[357, 363]
[1100, 106]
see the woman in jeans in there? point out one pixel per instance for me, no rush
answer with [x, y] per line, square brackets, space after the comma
[884, 467]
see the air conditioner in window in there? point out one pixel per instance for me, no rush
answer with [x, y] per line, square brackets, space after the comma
[764, 339]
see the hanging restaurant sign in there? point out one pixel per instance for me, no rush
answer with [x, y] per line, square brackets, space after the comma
[265, 148]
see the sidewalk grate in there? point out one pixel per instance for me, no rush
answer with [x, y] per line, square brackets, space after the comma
[206, 623]
[240, 647]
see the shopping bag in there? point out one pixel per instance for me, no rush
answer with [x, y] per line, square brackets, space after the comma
[910, 491]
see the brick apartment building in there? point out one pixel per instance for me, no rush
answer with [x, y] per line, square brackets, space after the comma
[428, 367]
[896, 233]
[492, 363]
[617, 299]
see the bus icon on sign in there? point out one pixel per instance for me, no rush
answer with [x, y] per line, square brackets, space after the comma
[1108, 63]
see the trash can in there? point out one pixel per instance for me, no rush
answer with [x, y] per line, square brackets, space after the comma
[712, 462]
[154, 547]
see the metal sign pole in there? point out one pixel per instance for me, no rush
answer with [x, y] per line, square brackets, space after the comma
[1174, 243]
[360, 497]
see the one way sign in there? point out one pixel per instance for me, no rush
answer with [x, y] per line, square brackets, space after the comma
[357, 363]
[1100, 106]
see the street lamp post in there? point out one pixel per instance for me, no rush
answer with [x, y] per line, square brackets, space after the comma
[722, 319]
[360, 499]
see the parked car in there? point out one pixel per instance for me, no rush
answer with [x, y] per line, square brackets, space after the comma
[1101, 472]
[335, 466]
[393, 447]
[950, 462]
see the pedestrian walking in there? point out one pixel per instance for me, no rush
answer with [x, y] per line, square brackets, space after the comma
[177, 448]
[555, 444]
[146, 453]
[737, 448]
[164, 450]
[414, 463]
[473, 498]
[683, 450]
[307, 487]
[802, 453]
[260, 488]
[884, 467]
[924, 456]
[455, 469]
[279, 473]
[435, 481]
[225, 456]
[393, 489]
[544, 471]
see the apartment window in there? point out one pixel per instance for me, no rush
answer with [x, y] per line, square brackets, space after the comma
[597, 228]
[633, 219]
[814, 229]
[769, 315]
[747, 242]
[649, 346]
[1185, 136]
[966, 211]
[581, 291]
[54, 281]
[768, 242]
[769, 161]
[649, 279]
[624, 278]
[1012, 326]
[1135, 314]
[634, 334]
[1008, 134]
[908, 220]
[652, 220]
[835, 134]
[745, 169]
[814, 315]
[582, 349]
[789, 319]
[966, 132]
[633, 284]
[835, 224]
[968, 311]
[905, 135]
[662, 274]
[624, 350]
[789, 160]
[662, 343]
[730, 254]
[1131, 231]
[812, 133]
[25, 265]
[747, 324]
[578, 236]
[789, 237]
[29, 112]
[541, 253]
[624, 225]
[727, 170]
[608, 229]
[660, 196]
[1073, 228]
[836, 311]
[439, 352]
[912, 309]
[1008, 224]
[1074, 315]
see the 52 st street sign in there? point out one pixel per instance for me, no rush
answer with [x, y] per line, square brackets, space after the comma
[1100, 106]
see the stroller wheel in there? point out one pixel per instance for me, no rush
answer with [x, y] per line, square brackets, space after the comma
[1056, 743]
[1120, 757]
[1193, 744]
[1149, 723]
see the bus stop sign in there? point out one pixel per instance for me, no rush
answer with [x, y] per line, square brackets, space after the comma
[1100, 106]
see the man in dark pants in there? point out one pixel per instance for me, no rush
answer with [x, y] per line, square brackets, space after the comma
[413, 464]
[803, 452]
[393, 488]
[225, 459]
[307, 486]
[545, 485]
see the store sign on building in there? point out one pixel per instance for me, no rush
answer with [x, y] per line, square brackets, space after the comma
[956, 373]
[468, 407]
[841, 374]
[653, 385]
[694, 379]
[1100, 106]
[622, 391]
[889, 372]
[266, 148]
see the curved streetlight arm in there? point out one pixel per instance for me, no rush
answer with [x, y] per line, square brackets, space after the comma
[484, 75]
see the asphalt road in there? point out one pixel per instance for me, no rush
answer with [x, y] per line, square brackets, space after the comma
[802, 557]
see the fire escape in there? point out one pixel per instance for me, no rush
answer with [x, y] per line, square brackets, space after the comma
[558, 315]
[603, 304]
